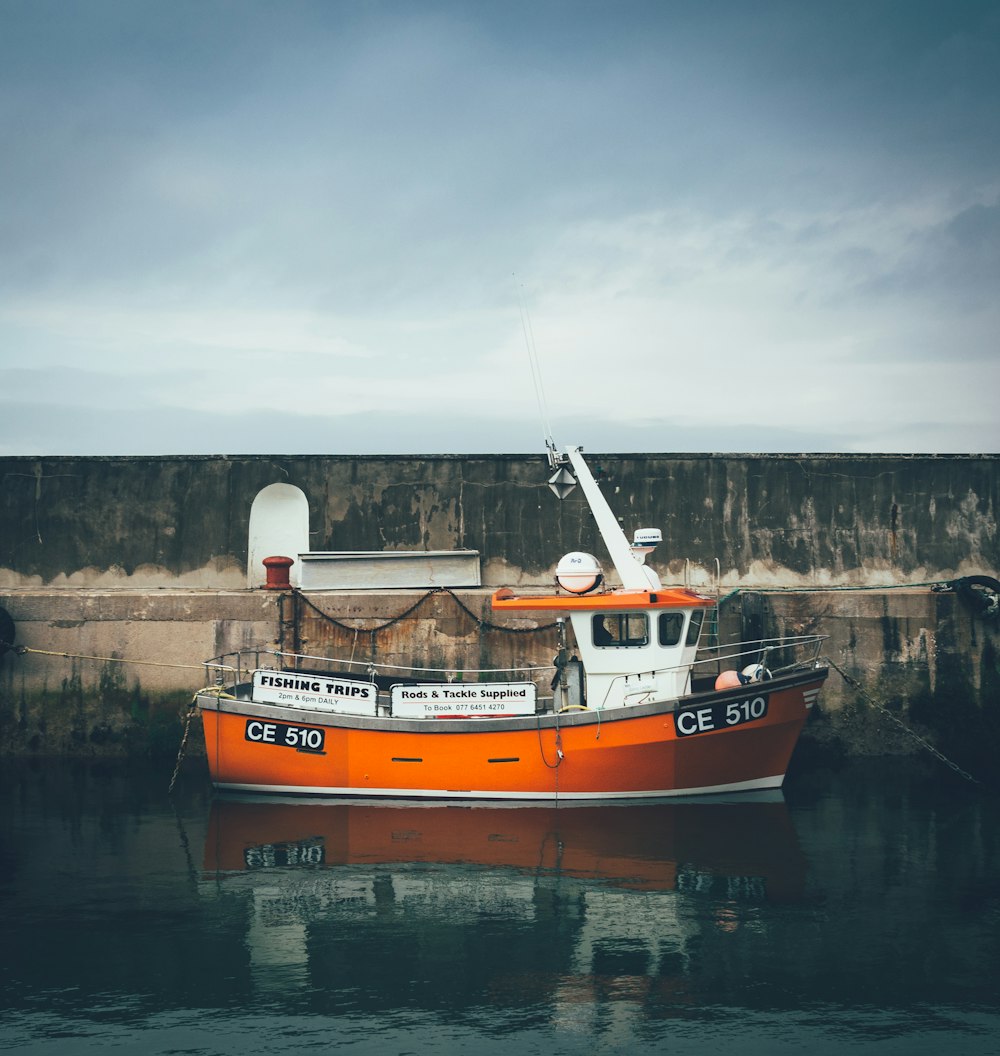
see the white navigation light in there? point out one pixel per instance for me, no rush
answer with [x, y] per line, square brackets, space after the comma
[579, 573]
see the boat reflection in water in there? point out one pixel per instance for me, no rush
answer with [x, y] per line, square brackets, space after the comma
[361, 895]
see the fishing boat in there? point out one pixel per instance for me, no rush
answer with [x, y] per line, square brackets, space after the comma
[631, 708]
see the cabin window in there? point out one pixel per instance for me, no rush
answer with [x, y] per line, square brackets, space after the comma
[694, 627]
[621, 628]
[670, 627]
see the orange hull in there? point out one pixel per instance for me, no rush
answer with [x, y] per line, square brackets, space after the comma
[641, 751]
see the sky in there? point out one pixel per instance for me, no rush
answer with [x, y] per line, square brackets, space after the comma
[331, 227]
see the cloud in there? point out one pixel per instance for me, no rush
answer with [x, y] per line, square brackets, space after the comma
[779, 218]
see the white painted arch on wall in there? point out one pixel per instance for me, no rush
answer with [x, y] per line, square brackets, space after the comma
[279, 527]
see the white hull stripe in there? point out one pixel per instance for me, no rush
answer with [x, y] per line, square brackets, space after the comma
[810, 696]
[440, 793]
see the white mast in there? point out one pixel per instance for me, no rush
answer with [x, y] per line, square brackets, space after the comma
[634, 576]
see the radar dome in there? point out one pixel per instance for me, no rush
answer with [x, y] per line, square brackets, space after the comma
[579, 573]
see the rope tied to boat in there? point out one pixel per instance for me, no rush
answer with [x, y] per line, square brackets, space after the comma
[558, 744]
[882, 709]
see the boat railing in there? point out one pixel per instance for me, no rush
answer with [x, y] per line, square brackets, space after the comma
[238, 667]
[235, 668]
[774, 655]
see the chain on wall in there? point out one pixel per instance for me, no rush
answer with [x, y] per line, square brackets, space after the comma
[299, 602]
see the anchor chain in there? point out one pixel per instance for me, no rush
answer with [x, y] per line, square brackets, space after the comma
[869, 699]
[192, 711]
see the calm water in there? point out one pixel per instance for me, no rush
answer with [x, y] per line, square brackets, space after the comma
[860, 911]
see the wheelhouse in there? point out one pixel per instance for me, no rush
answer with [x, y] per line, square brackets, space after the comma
[628, 644]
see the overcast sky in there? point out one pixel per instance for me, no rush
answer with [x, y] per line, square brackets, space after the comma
[281, 226]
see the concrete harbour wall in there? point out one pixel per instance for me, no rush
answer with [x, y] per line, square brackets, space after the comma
[741, 520]
[137, 568]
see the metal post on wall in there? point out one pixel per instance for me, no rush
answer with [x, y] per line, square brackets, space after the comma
[289, 626]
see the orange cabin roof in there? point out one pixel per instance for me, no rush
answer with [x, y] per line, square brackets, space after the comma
[671, 598]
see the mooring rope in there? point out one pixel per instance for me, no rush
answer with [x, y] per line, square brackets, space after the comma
[869, 699]
[558, 743]
[22, 649]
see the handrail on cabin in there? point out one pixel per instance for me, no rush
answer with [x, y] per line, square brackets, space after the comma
[757, 652]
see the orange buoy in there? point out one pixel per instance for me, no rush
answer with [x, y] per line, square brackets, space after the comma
[728, 680]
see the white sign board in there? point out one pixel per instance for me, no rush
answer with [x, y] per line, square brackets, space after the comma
[458, 701]
[315, 692]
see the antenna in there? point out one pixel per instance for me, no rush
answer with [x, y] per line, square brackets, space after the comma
[536, 373]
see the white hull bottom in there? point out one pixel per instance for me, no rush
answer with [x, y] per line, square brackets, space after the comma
[758, 784]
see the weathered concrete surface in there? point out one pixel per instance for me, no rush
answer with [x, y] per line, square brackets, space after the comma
[922, 657]
[768, 520]
[133, 663]
[144, 559]
[136, 658]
